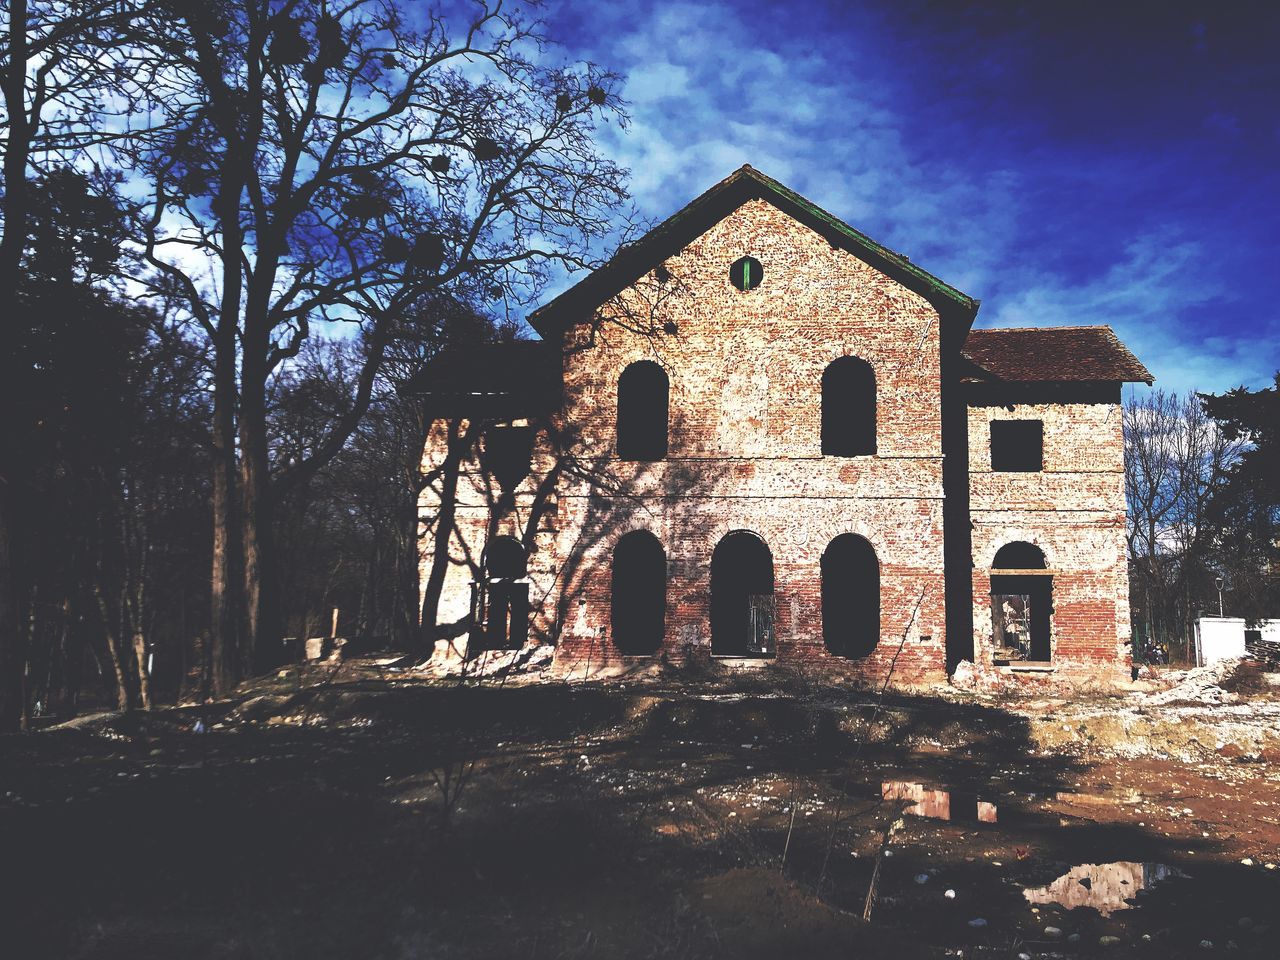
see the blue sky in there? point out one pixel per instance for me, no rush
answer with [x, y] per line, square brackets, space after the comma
[1064, 162]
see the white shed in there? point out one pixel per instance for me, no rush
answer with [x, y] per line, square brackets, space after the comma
[1223, 638]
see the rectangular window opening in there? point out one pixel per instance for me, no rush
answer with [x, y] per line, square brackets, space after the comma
[1017, 446]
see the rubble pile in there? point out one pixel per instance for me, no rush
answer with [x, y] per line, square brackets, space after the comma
[1197, 715]
[446, 664]
[1197, 685]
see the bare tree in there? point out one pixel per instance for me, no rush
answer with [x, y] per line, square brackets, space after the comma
[1176, 458]
[330, 163]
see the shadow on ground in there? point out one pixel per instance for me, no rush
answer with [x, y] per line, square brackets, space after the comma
[372, 816]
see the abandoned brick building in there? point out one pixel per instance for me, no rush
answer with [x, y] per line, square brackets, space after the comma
[756, 434]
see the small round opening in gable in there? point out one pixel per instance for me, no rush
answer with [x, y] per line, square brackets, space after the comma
[746, 273]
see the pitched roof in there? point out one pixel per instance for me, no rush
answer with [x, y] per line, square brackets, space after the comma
[521, 376]
[745, 183]
[1054, 354]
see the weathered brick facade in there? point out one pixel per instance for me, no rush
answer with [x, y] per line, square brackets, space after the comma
[1073, 510]
[744, 452]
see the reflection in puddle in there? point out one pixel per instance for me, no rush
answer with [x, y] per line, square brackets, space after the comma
[1103, 886]
[1111, 798]
[939, 804]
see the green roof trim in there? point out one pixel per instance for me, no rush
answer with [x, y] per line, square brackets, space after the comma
[745, 183]
[927, 279]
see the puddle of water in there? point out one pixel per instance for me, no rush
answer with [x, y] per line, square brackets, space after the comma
[952, 805]
[1104, 886]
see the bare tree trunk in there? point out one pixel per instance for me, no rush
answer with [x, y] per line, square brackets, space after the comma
[17, 147]
[449, 473]
[262, 629]
[140, 657]
[11, 656]
[371, 606]
[17, 152]
[31, 624]
[405, 615]
[255, 519]
[224, 587]
[229, 636]
[56, 677]
[113, 642]
[137, 630]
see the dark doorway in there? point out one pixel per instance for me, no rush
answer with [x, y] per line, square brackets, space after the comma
[850, 597]
[848, 408]
[638, 604]
[643, 402]
[742, 612]
[500, 600]
[1021, 605]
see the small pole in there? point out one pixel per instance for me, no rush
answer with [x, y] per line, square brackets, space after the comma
[333, 629]
[786, 847]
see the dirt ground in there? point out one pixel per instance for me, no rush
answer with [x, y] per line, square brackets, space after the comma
[366, 811]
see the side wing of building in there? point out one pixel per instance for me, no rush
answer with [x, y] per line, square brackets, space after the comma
[1047, 502]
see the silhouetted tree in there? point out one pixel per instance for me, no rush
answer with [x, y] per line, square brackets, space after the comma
[350, 537]
[1176, 460]
[101, 421]
[1245, 510]
[68, 87]
[325, 163]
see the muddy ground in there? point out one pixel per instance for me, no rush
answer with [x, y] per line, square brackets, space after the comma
[365, 812]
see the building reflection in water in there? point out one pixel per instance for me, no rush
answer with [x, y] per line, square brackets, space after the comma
[954, 805]
[1106, 887]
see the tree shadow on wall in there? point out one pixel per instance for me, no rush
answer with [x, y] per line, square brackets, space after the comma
[621, 496]
[522, 491]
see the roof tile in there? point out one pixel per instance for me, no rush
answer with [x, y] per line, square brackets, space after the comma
[1053, 354]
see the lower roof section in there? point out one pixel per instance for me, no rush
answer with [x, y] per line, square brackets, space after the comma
[515, 379]
[1051, 355]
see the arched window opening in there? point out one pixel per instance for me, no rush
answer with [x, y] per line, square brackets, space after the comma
[1021, 605]
[1019, 555]
[643, 399]
[639, 594]
[500, 600]
[848, 408]
[850, 597]
[505, 559]
[742, 610]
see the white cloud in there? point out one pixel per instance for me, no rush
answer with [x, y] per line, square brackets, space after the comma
[1159, 302]
[711, 90]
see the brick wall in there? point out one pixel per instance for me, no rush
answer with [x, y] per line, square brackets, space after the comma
[482, 512]
[745, 454]
[1073, 510]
